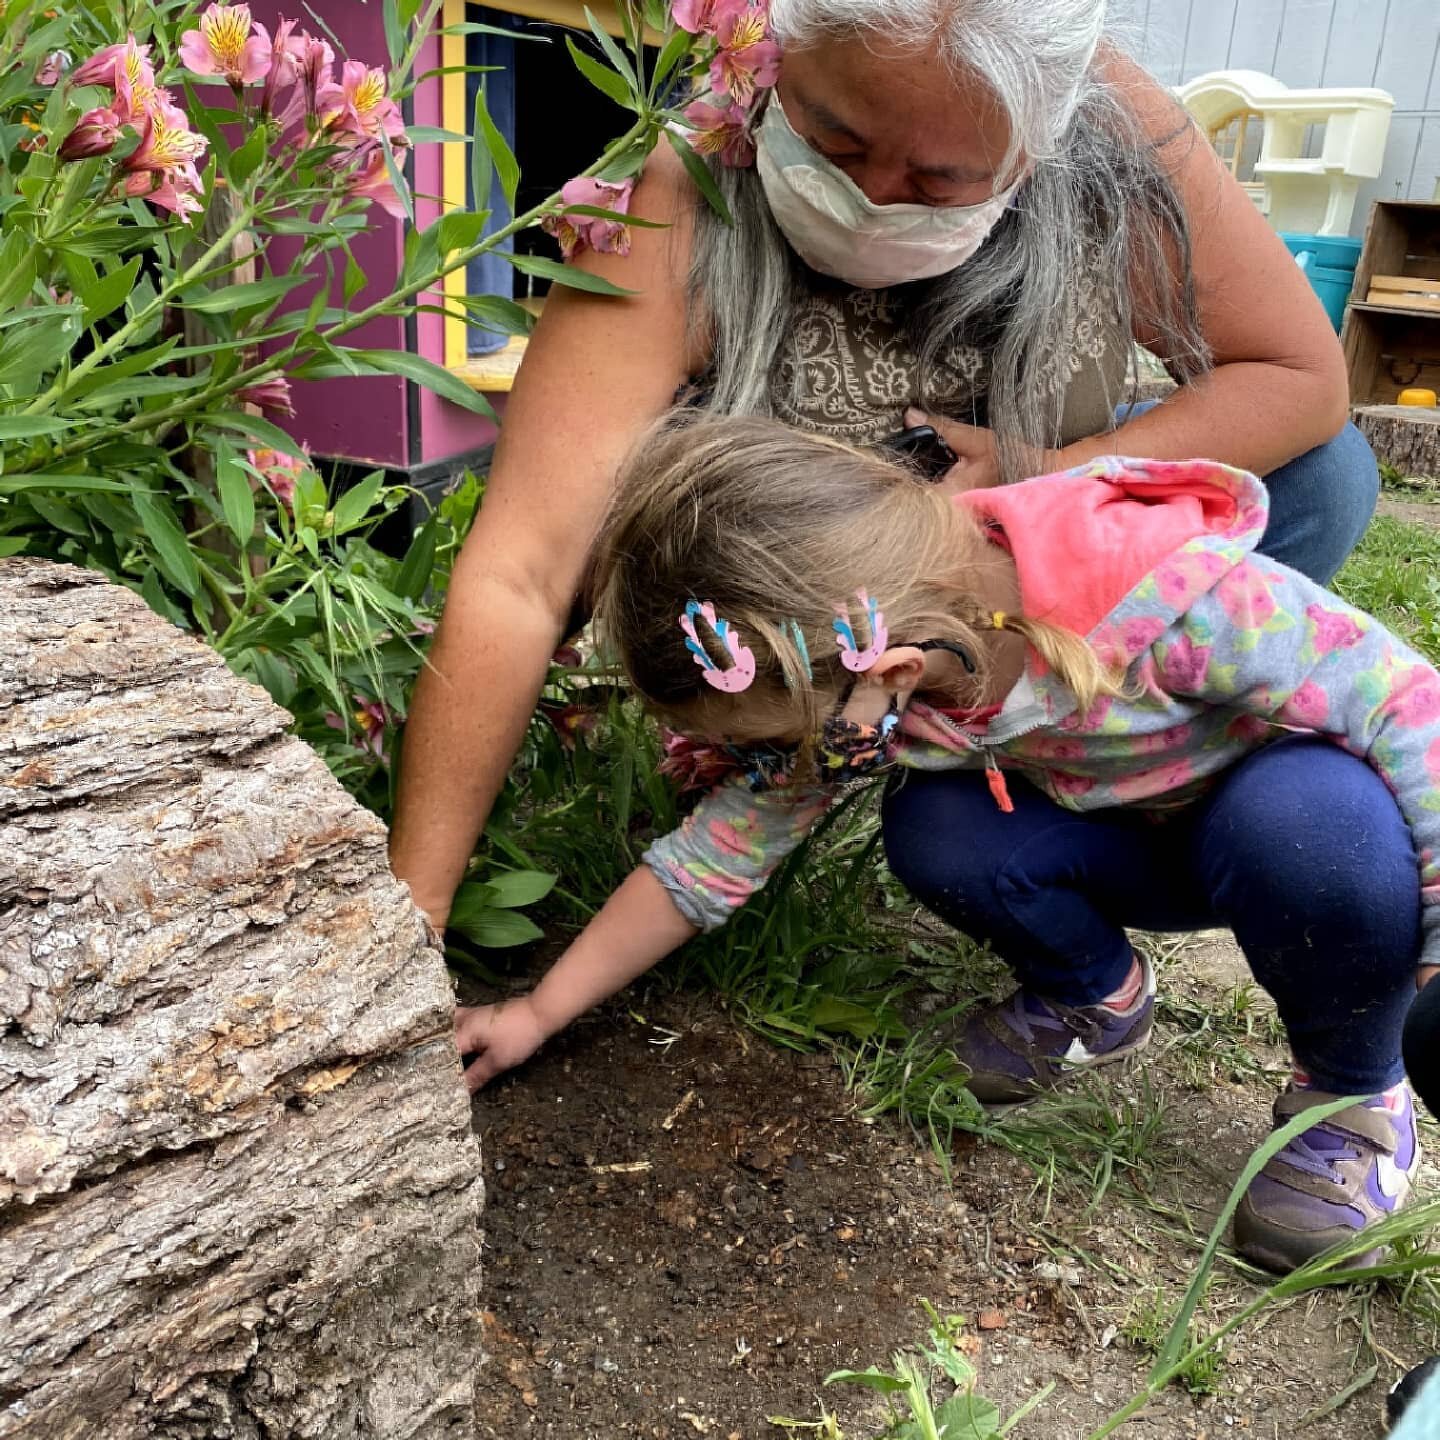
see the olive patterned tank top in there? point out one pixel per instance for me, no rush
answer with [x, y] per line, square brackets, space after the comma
[848, 371]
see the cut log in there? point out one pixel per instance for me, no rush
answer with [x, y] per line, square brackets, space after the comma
[1405, 436]
[239, 1192]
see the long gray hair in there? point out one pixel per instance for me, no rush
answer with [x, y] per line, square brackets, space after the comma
[1097, 211]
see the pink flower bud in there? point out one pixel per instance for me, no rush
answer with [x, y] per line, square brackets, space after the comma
[95, 133]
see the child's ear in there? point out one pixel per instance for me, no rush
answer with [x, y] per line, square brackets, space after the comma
[899, 668]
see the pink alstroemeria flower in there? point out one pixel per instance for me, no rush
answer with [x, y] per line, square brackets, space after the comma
[100, 68]
[95, 133]
[372, 719]
[576, 232]
[279, 471]
[272, 396]
[227, 43]
[52, 68]
[370, 180]
[284, 66]
[703, 17]
[365, 109]
[722, 131]
[748, 60]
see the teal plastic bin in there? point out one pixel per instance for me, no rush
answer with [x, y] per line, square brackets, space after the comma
[1329, 263]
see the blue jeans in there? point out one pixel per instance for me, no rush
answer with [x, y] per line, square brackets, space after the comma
[1320, 504]
[1299, 849]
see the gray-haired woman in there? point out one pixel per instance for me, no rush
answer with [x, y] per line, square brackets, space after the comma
[1054, 206]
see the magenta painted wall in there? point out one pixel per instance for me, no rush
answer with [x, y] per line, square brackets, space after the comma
[368, 419]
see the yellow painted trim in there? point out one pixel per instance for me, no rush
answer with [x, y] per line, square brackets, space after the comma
[455, 164]
[572, 13]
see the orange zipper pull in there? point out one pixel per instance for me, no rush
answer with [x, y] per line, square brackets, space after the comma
[995, 778]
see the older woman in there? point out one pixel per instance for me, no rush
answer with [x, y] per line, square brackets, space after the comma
[966, 208]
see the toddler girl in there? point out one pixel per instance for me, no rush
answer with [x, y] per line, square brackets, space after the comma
[1109, 712]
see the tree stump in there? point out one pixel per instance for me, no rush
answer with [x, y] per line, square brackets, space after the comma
[1405, 436]
[239, 1192]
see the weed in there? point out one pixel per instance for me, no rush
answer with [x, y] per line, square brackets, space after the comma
[1394, 574]
[1146, 1323]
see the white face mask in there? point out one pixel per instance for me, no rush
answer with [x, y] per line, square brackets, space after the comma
[835, 229]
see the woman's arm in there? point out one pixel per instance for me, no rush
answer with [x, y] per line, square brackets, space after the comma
[1279, 386]
[638, 926]
[597, 371]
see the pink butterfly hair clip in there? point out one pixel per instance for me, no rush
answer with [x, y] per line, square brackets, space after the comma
[732, 679]
[852, 657]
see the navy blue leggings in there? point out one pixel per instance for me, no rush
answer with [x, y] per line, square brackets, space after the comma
[1299, 849]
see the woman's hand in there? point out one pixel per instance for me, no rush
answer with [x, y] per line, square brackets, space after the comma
[499, 1036]
[977, 466]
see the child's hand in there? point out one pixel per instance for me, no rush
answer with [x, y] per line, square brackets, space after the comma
[1427, 974]
[499, 1036]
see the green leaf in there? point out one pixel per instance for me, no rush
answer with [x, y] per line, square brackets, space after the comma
[32, 350]
[240, 297]
[356, 503]
[19, 484]
[677, 47]
[26, 427]
[482, 167]
[967, 1417]
[237, 499]
[498, 929]
[434, 135]
[1170, 1352]
[460, 229]
[495, 312]
[17, 269]
[172, 549]
[872, 1379]
[355, 279]
[414, 367]
[560, 274]
[249, 157]
[617, 215]
[394, 31]
[272, 437]
[604, 80]
[515, 888]
[109, 292]
[160, 602]
[57, 514]
[613, 52]
[496, 146]
[397, 178]
[12, 544]
[419, 562]
[699, 172]
[474, 27]
[96, 380]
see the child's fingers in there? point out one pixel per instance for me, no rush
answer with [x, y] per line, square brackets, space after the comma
[479, 1072]
[1427, 974]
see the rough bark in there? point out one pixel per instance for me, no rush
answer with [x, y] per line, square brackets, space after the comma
[239, 1192]
[1405, 436]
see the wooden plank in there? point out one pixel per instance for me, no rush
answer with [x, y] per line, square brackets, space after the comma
[1427, 303]
[1404, 285]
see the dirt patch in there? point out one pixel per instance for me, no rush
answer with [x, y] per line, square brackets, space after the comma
[688, 1228]
[1416, 512]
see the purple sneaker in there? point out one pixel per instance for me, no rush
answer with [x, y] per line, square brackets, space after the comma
[1028, 1044]
[1341, 1175]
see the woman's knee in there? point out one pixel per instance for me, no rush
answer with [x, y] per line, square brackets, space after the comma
[1321, 503]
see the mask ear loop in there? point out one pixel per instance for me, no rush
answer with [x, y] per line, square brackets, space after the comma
[958, 651]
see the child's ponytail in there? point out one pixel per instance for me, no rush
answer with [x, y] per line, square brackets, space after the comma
[1068, 655]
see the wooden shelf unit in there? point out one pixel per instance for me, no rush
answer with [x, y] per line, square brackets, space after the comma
[1388, 348]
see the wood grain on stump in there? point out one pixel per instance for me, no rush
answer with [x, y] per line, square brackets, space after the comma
[239, 1193]
[1404, 436]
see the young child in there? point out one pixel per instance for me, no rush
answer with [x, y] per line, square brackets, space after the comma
[1110, 712]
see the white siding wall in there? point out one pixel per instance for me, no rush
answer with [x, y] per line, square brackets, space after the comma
[1394, 44]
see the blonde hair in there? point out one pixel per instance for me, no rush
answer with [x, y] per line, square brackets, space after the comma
[775, 526]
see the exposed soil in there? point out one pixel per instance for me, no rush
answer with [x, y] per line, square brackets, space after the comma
[689, 1228]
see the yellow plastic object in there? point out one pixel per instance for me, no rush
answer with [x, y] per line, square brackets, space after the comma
[1422, 399]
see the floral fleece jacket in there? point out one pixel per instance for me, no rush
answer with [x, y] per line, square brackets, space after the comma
[1226, 650]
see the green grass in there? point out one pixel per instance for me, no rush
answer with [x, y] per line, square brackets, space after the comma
[1394, 574]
